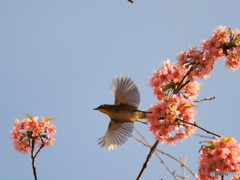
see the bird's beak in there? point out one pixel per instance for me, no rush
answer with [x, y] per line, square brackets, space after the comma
[95, 109]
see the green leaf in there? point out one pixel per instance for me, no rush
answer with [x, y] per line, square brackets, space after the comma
[48, 119]
[168, 86]
[237, 39]
[229, 30]
[227, 138]
[204, 146]
[189, 105]
[29, 116]
[173, 107]
[209, 147]
[209, 142]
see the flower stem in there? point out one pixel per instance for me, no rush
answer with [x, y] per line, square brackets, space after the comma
[33, 160]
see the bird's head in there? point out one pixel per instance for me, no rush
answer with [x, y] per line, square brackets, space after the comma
[105, 108]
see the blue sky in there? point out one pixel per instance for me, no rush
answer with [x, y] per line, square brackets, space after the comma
[59, 57]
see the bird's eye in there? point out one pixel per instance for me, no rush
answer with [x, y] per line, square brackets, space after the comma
[102, 106]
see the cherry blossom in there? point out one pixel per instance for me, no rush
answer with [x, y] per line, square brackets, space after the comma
[223, 155]
[31, 130]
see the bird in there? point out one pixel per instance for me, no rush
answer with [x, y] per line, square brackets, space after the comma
[123, 113]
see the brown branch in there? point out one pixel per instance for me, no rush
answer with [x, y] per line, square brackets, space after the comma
[159, 157]
[33, 160]
[140, 134]
[38, 151]
[183, 160]
[153, 148]
[33, 157]
[182, 85]
[166, 155]
[213, 137]
[195, 124]
[39, 148]
[205, 99]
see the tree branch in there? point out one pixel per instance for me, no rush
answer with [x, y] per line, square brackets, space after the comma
[182, 85]
[205, 99]
[33, 160]
[195, 124]
[159, 157]
[183, 160]
[166, 155]
[38, 151]
[213, 137]
[153, 148]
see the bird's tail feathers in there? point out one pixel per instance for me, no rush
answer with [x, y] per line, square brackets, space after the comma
[142, 114]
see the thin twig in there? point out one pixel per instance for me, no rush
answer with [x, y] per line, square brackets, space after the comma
[140, 134]
[183, 160]
[39, 148]
[167, 167]
[180, 84]
[159, 157]
[38, 151]
[184, 177]
[205, 99]
[153, 148]
[195, 124]
[213, 137]
[33, 160]
[166, 155]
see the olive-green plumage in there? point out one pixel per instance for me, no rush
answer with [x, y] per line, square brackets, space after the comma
[122, 114]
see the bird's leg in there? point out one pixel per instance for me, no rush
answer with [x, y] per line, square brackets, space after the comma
[136, 110]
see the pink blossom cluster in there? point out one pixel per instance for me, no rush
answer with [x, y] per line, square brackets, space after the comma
[223, 43]
[177, 82]
[223, 155]
[169, 77]
[164, 119]
[173, 91]
[27, 130]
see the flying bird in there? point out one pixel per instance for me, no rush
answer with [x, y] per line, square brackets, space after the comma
[122, 114]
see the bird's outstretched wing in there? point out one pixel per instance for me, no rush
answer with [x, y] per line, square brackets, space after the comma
[116, 135]
[125, 91]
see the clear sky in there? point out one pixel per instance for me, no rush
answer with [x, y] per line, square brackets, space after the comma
[59, 57]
